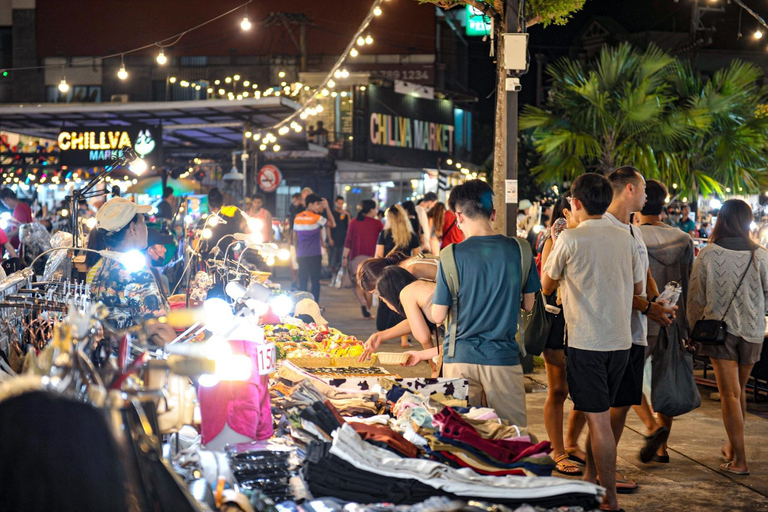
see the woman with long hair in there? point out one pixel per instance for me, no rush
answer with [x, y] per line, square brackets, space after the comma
[554, 362]
[397, 236]
[729, 281]
[411, 299]
[444, 229]
[360, 244]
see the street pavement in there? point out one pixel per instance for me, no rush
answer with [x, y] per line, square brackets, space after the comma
[692, 481]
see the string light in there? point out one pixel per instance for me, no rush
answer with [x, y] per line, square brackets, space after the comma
[377, 11]
[122, 74]
[281, 74]
[758, 34]
[236, 77]
[63, 86]
[331, 84]
[361, 41]
[161, 58]
[228, 80]
[245, 24]
[172, 79]
[276, 148]
[263, 147]
[353, 52]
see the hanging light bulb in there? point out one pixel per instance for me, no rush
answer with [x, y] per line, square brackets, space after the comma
[344, 73]
[281, 74]
[263, 147]
[248, 134]
[122, 74]
[758, 34]
[256, 136]
[283, 130]
[172, 79]
[63, 86]
[361, 41]
[161, 58]
[276, 148]
[331, 84]
[368, 39]
[228, 79]
[236, 77]
[245, 24]
[353, 52]
[377, 11]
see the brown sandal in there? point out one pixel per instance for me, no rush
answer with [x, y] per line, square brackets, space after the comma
[566, 467]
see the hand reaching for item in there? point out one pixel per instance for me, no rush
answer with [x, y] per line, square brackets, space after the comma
[369, 347]
[414, 358]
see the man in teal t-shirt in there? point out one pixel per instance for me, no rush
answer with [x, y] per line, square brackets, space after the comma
[490, 282]
[686, 223]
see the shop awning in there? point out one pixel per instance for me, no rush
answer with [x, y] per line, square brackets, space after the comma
[189, 127]
[358, 173]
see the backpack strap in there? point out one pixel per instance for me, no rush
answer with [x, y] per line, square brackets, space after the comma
[526, 254]
[448, 264]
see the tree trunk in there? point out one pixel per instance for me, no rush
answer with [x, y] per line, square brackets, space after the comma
[500, 135]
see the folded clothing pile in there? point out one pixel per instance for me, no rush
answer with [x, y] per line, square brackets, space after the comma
[357, 471]
[433, 504]
[486, 446]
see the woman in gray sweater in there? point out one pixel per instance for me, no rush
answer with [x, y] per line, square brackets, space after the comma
[714, 283]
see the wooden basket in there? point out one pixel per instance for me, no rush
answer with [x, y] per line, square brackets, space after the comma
[392, 358]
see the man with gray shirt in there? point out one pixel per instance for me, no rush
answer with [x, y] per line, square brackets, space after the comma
[599, 269]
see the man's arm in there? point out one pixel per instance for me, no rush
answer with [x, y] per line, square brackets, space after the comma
[270, 231]
[331, 222]
[548, 285]
[11, 251]
[528, 300]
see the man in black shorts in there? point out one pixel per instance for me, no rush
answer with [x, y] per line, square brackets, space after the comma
[597, 299]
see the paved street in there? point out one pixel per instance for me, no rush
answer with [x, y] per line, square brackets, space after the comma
[691, 481]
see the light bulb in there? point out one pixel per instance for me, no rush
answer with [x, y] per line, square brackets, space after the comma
[353, 52]
[271, 261]
[324, 92]
[360, 41]
[331, 84]
[172, 79]
[344, 73]
[161, 58]
[138, 166]
[91, 223]
[758, 34]
[256, 136]
[276, 148]
[133, 260]
[207, 233]
[377, 11]
[122, 74]
[228, 79]
[319, 108]
[368, 39]
[283, 130]
[236, 77]
[222, 91]
[245, 24]
[63, 86]
[263, 147]
[303, 115]
[246, 83]
[282, 305]
[249, 134]
[449, 162]
[284, 254]
[281, 74]
[216, 82]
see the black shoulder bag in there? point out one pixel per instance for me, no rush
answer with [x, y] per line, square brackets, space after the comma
[712, 332]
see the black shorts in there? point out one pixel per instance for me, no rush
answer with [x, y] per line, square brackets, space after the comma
[631, 385]
[594, 377]
[556, 338]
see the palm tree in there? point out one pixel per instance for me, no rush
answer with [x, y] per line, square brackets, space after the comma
[647, 109]
[728, 150]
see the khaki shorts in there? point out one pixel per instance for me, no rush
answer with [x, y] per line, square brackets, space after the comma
[499, 387]
[734, 349]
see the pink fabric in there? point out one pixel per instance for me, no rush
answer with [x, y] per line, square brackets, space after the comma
[245, 406]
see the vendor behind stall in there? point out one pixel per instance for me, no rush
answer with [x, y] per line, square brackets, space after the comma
[132, 297]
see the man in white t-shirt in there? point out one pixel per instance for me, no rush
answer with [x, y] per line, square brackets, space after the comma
[629, 196]
[599, 269]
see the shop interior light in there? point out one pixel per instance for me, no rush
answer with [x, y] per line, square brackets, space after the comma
[161, 58]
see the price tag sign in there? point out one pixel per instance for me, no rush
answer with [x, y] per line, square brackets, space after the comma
[510, 191]
[266, 356]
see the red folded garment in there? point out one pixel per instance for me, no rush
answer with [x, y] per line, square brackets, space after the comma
[499, 472]
[453, 426]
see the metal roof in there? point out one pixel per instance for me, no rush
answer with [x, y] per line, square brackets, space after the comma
[189, 127]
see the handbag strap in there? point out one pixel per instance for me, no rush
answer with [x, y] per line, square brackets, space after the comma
[739, 286]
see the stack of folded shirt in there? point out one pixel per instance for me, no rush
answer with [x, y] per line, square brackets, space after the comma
[357, 471]
[266, 471]
[487, 446]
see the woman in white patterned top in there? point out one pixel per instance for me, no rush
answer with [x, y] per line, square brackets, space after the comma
[717, 292]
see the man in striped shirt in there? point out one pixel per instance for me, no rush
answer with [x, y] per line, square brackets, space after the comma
[307, 231]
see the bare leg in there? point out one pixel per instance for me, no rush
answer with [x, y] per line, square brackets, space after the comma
[646, 416]
[404, 343]
[665, 421]
[601, 456]
[731, 383]
[554, 361]
[618, 419]
[576, 422]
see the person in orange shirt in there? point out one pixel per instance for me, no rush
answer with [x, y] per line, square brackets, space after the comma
[307, 231]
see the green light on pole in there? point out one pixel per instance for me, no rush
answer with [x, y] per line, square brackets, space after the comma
[5, 73]
[477, 23]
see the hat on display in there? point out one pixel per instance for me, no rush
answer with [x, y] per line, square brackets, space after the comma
[118, 212]
[310, 308]
[524, 204]
[155, 237]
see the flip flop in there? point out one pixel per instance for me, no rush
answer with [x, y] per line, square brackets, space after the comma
[566, 467]
[653, 442]
[624, 485]
[727, 468]
[572, 455]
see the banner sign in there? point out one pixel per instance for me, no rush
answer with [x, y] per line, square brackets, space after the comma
[100, 147]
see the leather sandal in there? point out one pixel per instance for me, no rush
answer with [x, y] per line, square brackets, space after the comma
[566, 467]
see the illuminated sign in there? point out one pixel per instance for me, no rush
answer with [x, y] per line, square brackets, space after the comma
[98, 148]
[402, 132]
[477, 23]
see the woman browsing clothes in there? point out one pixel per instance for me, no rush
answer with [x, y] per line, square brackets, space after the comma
[133, 298]
[359, 245]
